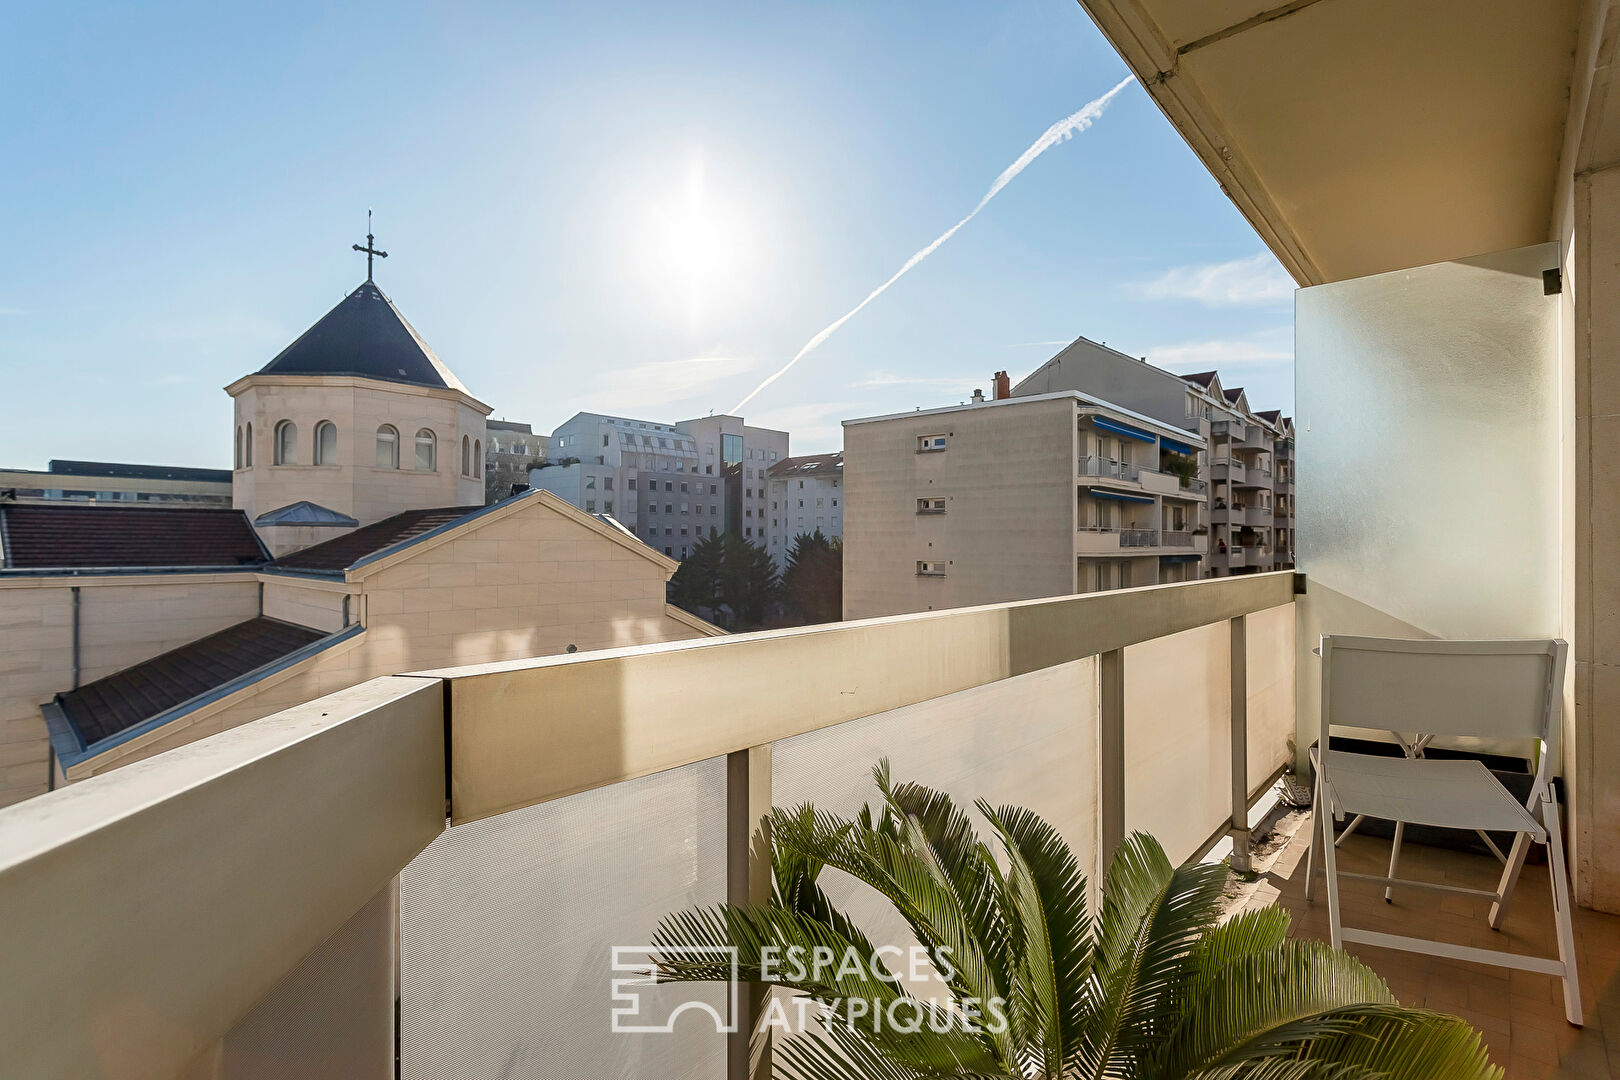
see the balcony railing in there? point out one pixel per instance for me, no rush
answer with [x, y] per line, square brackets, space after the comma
[1118, 470]
[1230, 469]
[260, 892]
[1139, 538]
[1178, 539]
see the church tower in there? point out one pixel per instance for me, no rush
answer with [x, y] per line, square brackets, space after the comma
[355, 421]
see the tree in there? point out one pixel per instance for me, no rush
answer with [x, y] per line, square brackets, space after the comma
[726, 579]
[748, 581]
[1152, 987]
[813, 580]
[695, 585]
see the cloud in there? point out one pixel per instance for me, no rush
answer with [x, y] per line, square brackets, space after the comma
[652, 386]
[1257, 279]
[1267, 348]
[1061, 131]
[880, 379]
[815, 426]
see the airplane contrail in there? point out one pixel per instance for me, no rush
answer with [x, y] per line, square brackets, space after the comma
[1058, 132]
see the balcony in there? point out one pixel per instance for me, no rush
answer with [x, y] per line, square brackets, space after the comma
[1092, 465]
[1185, 540]
[1258, 516]
[1109, 539]
[1229, 469]
[586, 796]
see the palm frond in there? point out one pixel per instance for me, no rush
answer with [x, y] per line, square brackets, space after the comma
[1410, 1044]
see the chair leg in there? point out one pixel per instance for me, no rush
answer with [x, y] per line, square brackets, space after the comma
[1330, 866]
[1510, 878]
[1355, 823]
[1561, 909]
[1394, 859]
[1316, 836]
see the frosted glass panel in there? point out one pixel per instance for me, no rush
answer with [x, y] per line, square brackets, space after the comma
[1178, 737]
[507, 924]
[1029, 741]
[1428, 434]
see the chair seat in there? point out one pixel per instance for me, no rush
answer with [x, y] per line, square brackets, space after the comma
[1448, 794]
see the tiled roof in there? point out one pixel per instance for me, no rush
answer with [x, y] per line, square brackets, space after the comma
[137, 694]
[365, 335]
[344, 551]
[38, 537]
[809, 463]
[1234, 393]
[1202, 378]
[1270, 416]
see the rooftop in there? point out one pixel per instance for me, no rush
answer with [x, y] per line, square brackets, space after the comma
[343, 552]
[365, 336]
[124, 470]
[135, 695]
[36, 537]
[809, 463]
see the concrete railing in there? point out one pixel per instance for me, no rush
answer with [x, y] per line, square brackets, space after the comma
[1093, 465]
[151, 915]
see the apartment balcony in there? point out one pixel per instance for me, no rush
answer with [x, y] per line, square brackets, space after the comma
[1230, 470]
[1111, 540]
[1258, 516]
[1111, 469]
[1233, 556]
[1172, 485]
[1185, 541]
[482, 838]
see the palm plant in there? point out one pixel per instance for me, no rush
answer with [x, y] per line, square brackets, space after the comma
[1154, 987]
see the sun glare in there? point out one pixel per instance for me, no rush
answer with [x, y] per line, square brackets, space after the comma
[697, 248]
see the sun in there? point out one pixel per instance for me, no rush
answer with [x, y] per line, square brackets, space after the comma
[697, 247]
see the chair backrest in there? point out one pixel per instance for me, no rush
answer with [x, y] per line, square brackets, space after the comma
[1493, 689]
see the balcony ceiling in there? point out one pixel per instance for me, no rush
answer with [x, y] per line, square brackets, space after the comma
[1360, 136]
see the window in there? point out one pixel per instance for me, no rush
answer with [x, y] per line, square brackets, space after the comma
[239, 446]
[478, 457]
[669, 508]
[607, 483]
[387, 447]
[713, 490]
[683, 488]
[607, 506]
[929, 444]
[466, 456]
[590, 483]
[684, 508]
[590, 506]
[604, 440]
[427, 451]
[326, 443]
[247, 448]
[748, 532]
[286, 443]
[930, 506]
[669, 485]
[930, 569]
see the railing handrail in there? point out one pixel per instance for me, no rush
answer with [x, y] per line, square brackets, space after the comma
[610, 710]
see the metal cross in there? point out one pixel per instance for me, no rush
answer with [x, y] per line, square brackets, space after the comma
[371, 247]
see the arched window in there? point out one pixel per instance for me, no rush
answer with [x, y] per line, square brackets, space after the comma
[239, 446]
[387, 447]
[466, 456]
[326, 443]
[427, 451]
[247, 448]
[286, 443]
[478, 457]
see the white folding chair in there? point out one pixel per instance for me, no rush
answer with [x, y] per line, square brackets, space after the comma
[1417, 690]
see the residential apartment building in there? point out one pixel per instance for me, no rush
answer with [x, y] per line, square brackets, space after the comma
[1250, 467]
[117, 482]
[669, 484]
[1016, 498]
[807, 496]
[512, 448]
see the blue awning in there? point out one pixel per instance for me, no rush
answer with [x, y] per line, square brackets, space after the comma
[1098, 493]
[1178, 447]
[1121, 429]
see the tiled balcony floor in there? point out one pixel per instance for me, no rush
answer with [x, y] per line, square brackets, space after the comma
[1521, 1014]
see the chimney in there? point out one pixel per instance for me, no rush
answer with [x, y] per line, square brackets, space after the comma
[1003, 386]
[978, 397]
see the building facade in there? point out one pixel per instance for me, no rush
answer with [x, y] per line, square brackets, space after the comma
[670, 484]
[117, 482]
[1015, 498]
[1250, 465]
[513, 448]
[806, 497]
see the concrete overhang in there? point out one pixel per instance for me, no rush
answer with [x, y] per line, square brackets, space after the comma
[1362, 136]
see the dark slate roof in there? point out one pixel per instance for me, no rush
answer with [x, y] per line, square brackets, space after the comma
[125, 470]
[136, 694]
[1270, 416]
[1234, 393]
[344, 551]
[509, 425]
[809, 463]
[304, 512]
[364, 336]
[1202, 378]
[42, 537]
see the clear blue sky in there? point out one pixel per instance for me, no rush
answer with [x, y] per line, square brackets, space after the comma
[639, 208]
